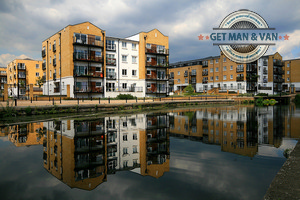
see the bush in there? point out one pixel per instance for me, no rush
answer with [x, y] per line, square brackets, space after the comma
[28, 110]
[262, 94]
[297, 99]
[259, 102]
[189, 89]
[125, 96]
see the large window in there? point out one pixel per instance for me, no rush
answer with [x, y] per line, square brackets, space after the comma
[124, 72]
[124, 45]
[124, 58]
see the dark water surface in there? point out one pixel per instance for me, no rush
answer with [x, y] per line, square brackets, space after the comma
[205, 153]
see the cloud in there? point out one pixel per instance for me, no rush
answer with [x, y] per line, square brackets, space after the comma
[6, 58]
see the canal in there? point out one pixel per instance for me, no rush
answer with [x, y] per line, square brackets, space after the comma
[230, 152]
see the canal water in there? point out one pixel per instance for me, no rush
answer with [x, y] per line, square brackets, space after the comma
[203, 153]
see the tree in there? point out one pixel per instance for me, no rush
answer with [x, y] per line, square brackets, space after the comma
[40, 81]
[189, 89]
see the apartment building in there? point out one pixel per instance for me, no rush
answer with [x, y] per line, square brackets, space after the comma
[220, 73]
[153, 61]
[3, 79]
[73, 61]
[122, 68]
[20, 74]
[291, 75]
[80, 61]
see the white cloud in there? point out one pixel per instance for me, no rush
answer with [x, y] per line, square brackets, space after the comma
[6, 58]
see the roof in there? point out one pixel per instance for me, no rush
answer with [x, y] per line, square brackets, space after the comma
[147, 32]
[71, 25]
[180, 63]
[124, 39]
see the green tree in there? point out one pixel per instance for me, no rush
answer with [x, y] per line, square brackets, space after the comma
[189, 89]
[40, 81]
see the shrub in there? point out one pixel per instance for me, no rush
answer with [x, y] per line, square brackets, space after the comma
[259, 101]
[189, 89]
[125, 96]
[28, 110]
[297, 99]
[262, 94]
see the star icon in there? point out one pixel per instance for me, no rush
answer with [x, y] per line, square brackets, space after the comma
[286, 37]
[200, 37]
[280, 37]
[207, 37]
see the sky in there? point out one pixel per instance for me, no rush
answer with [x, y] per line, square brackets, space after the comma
[25, 24]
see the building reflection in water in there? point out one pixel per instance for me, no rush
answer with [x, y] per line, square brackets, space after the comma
[82, 153]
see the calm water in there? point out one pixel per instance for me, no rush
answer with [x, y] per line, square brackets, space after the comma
[206, 153]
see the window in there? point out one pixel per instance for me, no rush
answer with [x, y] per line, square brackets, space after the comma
[124, 72]
[50, 46]
[124, 45]
[124, 58]
[231, 67]
[288, 79]
[224, 68]
[148, 85]
[50, 73]
[125, 137]
[50, 59]
[37, 74]
[211, 69]
[124, 85]
[178, 80]
[134, 72]
[217, 77]
[133, 46]
[217, 60]
[134, 149]
[224, 77]
[186, 80]
[134, 136]
[178, 73]
[211, 61]
[125, 125]
[125, 151]
[239, 86]
[98, 84]
[134, 59]
[211, 78]
[217, 69]
[37, 66]
[287, 72]
[148, 72]
[288, 65]
[231, 76]
[224, 59]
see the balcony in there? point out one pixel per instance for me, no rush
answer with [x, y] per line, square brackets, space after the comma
[154, 63]
[240, 78]
[54, 76]
[204, 81]
[251, 68]
[265, 63]
[171, 81]
[44, 66]
[110, 47]
[54, 62]
[92, 72]
[87, 89]
[265, 80]
[204, 73]
[54, 47]
[185, 74]
[264, 88]
[21, 66]
[278, 80]
[80, 56]
[155, 90]
[193, 73]
[278, 71]
[155, 50]
[265, 71]
[111, 75]
[239, 70]
[43, 52]
[3, 80]
[154, 76]
[205, 64]
[278, 63]
[91, 41]
[111, 61]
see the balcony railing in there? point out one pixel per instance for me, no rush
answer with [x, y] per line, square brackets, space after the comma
[278, 71]
[240, 78]
[171, 82]
[205, 64]
[278, 80]
[156, 77]
[54, 62]
[155, 50]
[278, 63]
[154, 63]
[86, 57]
[264, 88]
[54, 47]
[185, 74]
[90, 73]
[204, 81]
[43, 53]
[265, 63]
[89, 41]
[111, 61]
[111, 75]
[156, 90]
[193, 73]
[21, 67]
[3, 80]
[239, 70]
[204, 73]
[130, 89]
[43, 66]
[110, 47]
[87, 89]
